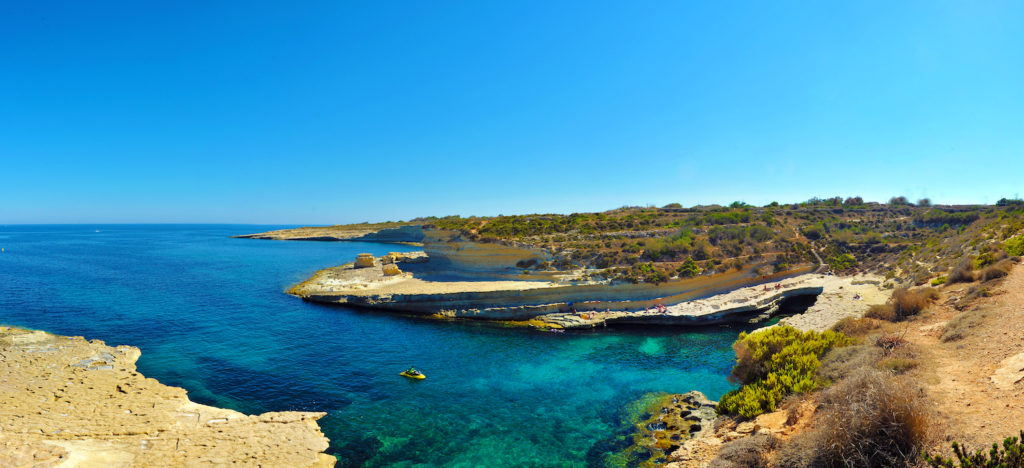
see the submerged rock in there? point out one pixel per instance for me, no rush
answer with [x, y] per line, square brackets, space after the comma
[661, 424]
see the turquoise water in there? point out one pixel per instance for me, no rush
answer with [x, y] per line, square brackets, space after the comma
[210, 315]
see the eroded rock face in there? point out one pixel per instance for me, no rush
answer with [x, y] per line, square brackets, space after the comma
[68, 400]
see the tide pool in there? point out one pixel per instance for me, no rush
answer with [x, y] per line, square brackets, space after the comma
[210, 315]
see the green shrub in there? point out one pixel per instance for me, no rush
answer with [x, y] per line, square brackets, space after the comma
[842, 262]
[688, 269]
[984, 260]
[939, 281]
[1011, 455]
[774, 363]
[1015, 246]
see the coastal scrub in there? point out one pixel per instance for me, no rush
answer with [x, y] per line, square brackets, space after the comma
[774, 363]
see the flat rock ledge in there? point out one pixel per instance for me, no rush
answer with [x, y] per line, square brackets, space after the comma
[837, 298]
[66, 401]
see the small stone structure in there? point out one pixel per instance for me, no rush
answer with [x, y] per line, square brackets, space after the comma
[364, 260]
[391, 270]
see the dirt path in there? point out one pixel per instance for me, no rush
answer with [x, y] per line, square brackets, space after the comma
[958, 374]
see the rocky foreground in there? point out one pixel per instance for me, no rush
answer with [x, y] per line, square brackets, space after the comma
[66, 401]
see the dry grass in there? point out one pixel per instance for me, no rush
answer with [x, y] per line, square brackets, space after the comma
[870, 419]
[857, 327]
[881, 312]
[746, 452]
[841, 362]
[898, 365]
[961, 325]
[973, 294]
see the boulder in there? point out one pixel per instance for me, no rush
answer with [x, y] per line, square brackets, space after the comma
[391, 270]
[364, 260]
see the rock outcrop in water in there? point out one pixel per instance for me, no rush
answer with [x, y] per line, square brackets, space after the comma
[74, 402]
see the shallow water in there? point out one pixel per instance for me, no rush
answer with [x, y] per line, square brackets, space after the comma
[210, 315]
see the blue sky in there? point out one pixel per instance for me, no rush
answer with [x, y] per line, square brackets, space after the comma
[328, 112]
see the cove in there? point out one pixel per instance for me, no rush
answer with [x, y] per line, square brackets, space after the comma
[210, 315]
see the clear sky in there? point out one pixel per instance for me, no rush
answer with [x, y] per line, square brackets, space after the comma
[334, 111]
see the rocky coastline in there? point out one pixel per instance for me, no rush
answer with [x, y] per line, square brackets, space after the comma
[682, 430]
[384, 284]
[68, 401]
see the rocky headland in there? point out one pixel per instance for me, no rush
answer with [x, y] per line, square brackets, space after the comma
[68, 401]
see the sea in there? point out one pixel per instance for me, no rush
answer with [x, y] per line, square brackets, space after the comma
[210, 314]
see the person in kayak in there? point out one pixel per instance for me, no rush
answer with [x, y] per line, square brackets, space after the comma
[412, 371]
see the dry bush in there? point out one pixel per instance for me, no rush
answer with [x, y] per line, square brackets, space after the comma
[841, 362]
[890, 341]
[856, 327]
[960, 326]
[992, 272]
[870, 419]
[903, 303]
[963, 273]
[908, 302]
[881, 312]
[999, 270]
[746, 452]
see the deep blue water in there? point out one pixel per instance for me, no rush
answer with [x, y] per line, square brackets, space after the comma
[210, 315]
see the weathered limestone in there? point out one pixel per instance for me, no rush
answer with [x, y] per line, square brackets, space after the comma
[82, 403]
[841, 297]
[364, 260]
[1011, 371]
[405, 257]
[391, 270]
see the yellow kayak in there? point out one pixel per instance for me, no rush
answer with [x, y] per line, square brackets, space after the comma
[409, 375]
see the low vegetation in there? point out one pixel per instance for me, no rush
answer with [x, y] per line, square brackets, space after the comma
[908, 242]
[960, 326]
[774, 363]
[902, 304]
[963, 273]
[870, 419]
[753, 451]
[1015, 246]
[1010, 455]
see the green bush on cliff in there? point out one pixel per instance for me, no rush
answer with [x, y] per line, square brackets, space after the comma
[688, 269]
[842, 262]
[774, 363]
[1015, 246]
